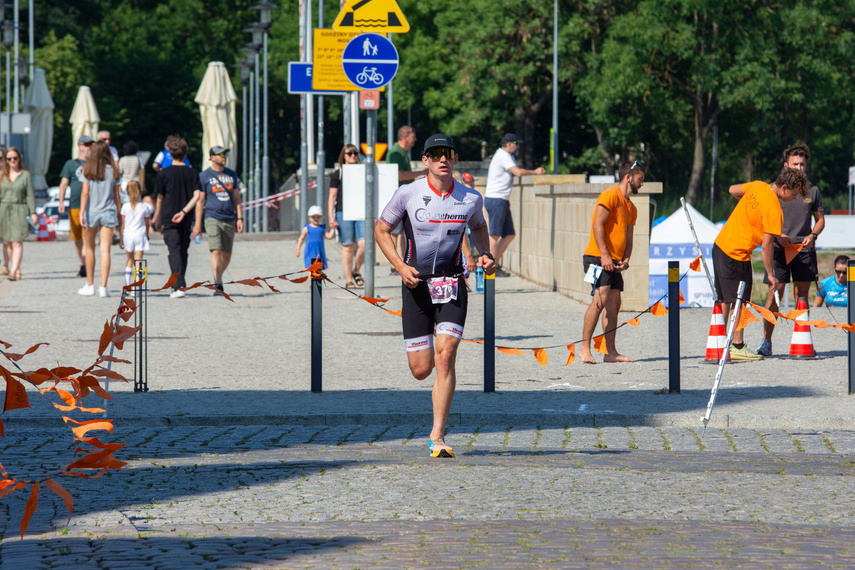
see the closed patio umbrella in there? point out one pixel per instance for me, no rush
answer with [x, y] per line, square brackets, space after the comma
[37, 144]
[84, 118]
[216, 99]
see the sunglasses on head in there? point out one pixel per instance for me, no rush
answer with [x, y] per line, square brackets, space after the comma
[437, 153]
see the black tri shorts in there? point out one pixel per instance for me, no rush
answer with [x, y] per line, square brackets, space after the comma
[728, 273]
[612, 279]
[801, 269]
[420, 316]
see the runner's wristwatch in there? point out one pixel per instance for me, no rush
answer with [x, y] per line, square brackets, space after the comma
[488, 254]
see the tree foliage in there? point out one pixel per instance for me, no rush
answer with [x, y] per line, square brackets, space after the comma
[646, 79]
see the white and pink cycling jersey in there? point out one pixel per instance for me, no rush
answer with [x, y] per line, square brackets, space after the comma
[434, 225]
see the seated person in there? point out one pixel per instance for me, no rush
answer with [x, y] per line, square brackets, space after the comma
[833, 289]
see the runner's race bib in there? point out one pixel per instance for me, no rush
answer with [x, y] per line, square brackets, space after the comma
[442, 289]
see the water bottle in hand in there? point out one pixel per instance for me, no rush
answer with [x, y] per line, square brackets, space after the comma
[479, 279]
[198, 238]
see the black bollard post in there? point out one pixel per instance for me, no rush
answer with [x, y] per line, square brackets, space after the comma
[317, 335]
[850, 313]
[489, 333]
[674, 327]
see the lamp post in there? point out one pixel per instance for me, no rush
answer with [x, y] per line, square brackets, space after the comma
[244, 65]
[264, 9]
[8, 41]
[251, 51]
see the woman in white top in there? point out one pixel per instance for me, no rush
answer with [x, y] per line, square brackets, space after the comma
[129, 166]
[136, 219]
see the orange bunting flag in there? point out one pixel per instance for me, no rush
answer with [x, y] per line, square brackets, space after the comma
[17, 357]
[374, 301]
[6, 345]
[571, 348]
[746, 317]
[695, 265]
[844, 326]
[169, 283]
[600, 344]
[316, 266]
[16, 394]
[793, 314]
[396, 313]
[297, 280]
[658, 309]
[682, 299]
[271, 287]
[62, 494]
[764, 312]
[791, 251]
[9, 486]
[507, 350]
[85, 427]
[633, 321]
[541, 356]
[30, 508]
[134, 285]
[250, 282]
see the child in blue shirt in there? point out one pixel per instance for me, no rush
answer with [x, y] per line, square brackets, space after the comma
[314, 233]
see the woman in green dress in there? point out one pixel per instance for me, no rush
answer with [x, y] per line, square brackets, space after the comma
[17, 201]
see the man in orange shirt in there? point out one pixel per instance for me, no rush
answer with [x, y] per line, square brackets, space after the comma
[755, 221]
[608, 252]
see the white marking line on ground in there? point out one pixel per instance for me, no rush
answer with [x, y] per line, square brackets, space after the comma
[566, 385]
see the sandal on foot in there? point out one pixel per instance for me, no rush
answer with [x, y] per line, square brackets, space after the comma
[360, 282]
[436, 451]
[349, 285]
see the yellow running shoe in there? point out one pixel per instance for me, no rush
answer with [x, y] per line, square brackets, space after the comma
[437, 451]
[743, 354]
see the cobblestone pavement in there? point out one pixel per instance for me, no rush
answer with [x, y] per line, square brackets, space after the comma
[370, 496]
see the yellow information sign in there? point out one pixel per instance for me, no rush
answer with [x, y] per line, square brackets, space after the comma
[380, 16]
[327, 71]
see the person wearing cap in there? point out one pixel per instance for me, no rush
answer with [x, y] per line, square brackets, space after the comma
[500, 180]
[177, 190]
[72, 178]
[435, 212]
[220, 207]
[607, 255]
[314, 234]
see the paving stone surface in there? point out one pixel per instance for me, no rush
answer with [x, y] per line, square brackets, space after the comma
[233, 463]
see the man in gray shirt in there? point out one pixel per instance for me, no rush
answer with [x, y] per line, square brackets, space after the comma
[802, 270]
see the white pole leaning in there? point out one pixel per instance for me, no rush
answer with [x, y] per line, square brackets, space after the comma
[700, 251]
[734, 315]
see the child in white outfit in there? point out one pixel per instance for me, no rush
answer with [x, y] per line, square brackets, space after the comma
[136, 216]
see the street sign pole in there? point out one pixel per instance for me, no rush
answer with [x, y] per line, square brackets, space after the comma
[370, 191]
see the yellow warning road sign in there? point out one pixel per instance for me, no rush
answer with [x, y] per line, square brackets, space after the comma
[381, 16]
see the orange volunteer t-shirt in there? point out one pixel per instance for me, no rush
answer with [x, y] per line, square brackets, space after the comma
[622, 214]
[758, 212]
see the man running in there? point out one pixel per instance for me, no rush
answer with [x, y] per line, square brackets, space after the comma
[435, 212]
[756, 221]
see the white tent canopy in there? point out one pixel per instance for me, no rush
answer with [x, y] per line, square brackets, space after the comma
[216, 99]
[38, 143]
[671, 240]
[84, 118]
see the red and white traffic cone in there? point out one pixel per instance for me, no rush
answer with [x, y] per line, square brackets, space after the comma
[45, 231]
[717, 339]
[802, 344]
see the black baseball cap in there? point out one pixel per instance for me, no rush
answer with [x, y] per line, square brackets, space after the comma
[438, 139]
[511, 137]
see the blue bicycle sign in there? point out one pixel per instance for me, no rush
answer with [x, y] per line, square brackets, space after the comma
[370, 61]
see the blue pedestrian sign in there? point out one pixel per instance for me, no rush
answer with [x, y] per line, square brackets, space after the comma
[370, 61]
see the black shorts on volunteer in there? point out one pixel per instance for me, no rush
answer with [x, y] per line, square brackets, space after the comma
[801, 269]
[611, 279]
[728, 273]
[421, 316]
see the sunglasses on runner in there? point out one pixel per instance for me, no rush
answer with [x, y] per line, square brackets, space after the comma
[437, 153]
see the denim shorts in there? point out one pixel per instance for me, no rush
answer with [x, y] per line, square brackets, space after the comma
[105, 219]
[499, 217]
[349, 231]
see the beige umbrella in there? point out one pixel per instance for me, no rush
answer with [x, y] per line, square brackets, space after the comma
[216, 99]
[37, 144]
[84, 118]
